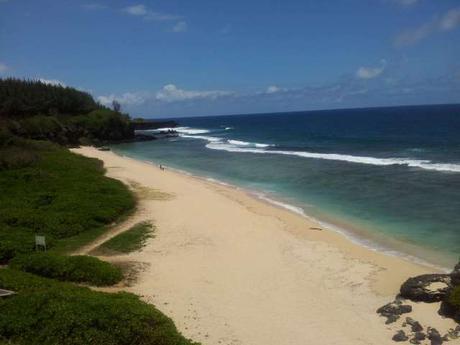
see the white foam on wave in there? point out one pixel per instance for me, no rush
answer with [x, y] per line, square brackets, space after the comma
[202, 137]
[246, 143]
[233, 145]
[423, 164]
[184, 130]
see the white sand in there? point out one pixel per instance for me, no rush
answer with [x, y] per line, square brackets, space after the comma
[231, 269]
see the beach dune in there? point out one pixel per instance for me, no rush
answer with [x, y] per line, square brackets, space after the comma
[229, 268]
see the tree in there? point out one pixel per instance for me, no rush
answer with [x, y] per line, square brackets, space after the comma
[116, 106]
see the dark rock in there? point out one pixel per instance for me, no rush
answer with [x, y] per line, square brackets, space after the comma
[400, 336]
[454, 333]
[455, 275]
[447, 309]
[417, 327]
[434, 336]
[393, 310]
[418, 338]
[418, 288]
[391, 319]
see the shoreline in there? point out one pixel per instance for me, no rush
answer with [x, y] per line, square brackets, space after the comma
[230, 268]
[373, 241]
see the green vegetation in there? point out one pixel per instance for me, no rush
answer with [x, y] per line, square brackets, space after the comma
[25, 98]
[47, 190]
[79, 269]
[454, 300]
[128, 241]
[34, 110]
[50, 191]
[45, 311]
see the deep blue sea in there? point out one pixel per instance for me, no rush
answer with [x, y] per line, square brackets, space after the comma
[386, 177]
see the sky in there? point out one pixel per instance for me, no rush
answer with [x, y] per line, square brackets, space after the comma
[205, 57]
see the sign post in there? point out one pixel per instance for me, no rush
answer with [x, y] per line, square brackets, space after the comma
[40, 242]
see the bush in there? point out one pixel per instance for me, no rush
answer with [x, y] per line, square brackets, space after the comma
[105, 125]
[49, 312]
[129, 241]
[454, 301]
[79, 269]
[61, 195]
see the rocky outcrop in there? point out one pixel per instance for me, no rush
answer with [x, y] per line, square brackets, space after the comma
[415, 325]
[143, 124]
[455, 275]
[427, 288]
[392, 311]
[400, 336]
[434, 336]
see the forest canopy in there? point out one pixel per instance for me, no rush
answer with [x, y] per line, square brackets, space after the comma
[25, 98]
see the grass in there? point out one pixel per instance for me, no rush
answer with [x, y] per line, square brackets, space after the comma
[45, 311]
[47, 190]
[129, 241]
[61, 195]
[79, 269]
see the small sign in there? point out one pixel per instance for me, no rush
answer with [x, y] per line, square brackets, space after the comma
[40, 242]
[6, 293]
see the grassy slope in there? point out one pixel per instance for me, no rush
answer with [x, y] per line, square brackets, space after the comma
[48, 190]
[61, 195]
[131, 240]
[49, 312]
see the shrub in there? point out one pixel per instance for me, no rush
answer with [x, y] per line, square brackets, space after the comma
[61, 195]
[454, 301]
[129, 241]
[49, 312]
[80, 269]
[14, 157]
[105, 124]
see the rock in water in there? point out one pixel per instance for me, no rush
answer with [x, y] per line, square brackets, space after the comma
[400, 336]
[427, 287]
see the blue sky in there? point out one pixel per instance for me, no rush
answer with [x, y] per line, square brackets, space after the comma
[185, 58]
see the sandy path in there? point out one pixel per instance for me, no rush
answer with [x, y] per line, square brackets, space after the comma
[230, 269]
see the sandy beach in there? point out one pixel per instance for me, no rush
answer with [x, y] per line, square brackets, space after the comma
[229, 268]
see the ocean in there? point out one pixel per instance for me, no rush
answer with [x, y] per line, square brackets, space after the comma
[388, 178]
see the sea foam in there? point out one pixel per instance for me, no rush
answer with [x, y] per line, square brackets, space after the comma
[233, 145]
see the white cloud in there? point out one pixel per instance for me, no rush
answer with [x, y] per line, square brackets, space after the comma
[406, 2]
[180, 27]
[147, 14]
[273, 89]
[128, 98]
[448, 22]
[54, 82]
[370, 72]
[170, 93]
[136, 10]
[3, 67]
[94, 6]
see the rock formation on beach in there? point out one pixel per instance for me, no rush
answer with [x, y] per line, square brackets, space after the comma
[426, 288]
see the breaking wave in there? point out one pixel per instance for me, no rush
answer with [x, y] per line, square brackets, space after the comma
[231, 145]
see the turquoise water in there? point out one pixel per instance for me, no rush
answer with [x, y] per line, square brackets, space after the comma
[388, 177]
